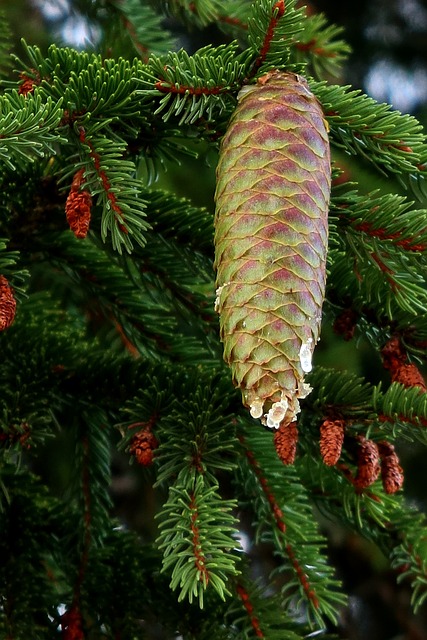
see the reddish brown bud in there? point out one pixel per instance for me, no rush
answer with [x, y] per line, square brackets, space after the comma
[143, 445]
[27, 85]
[7, 304]
[78, 207]
[368, 466]
[285, 441]
[391, 472]
[403, 372]
[331, 440]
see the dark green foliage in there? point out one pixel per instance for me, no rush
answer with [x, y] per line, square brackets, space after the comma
[142, 26]
[114, 355]
[30, 577]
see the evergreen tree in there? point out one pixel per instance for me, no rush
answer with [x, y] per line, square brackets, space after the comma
[110, 342]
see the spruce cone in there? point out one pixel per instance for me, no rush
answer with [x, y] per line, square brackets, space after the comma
[272, 195]
[331, 440]
[7, 304]
[78, 207]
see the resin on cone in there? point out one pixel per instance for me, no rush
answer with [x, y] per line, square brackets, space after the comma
[271, 233]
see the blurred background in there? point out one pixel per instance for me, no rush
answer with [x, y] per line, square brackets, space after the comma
[389, 62]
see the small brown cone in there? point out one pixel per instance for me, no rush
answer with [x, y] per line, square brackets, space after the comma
[331, 440]
[368, 463]
[143, 445]
[396, 361]
[285, 442]
[7, 304]
[78, 207]
[391, 472]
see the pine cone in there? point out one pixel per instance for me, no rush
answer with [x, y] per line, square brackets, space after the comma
[285, 442]
[78, 207]
[273, 187]
[391, 472]
[368, 466]
[143, 445]
[7, 304]
[331, 440]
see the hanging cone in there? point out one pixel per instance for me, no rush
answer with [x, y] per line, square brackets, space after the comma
[331, 440]
[7, 304]
[272, 196]
[78, 207]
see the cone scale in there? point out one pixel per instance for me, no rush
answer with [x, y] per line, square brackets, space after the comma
[272, 197]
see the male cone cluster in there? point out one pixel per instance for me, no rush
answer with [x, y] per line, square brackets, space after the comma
[271, 233]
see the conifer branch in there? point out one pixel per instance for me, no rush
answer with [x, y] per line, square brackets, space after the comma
[409, 558]
[320, 47]
[89, 489]
[10, 267]
[145, 29]
[209, 443]
[296, 546]
[254, 621]
[86, 83]
[389, 140]
[105, 88]
[271, 29]
[27, 128]
[230, 16]
[194, 86]
[197, 13]
[386, 217]
[196, 536]
[196, 524]
[343, 393]
[26, 416]
[403, 411]
[399, 532]
[262, 616]
[137, 304]
[123, 211]
[233, 19]
[399, 411]
[376, 275]
[137, 314]
[384, 274]
[362, 408]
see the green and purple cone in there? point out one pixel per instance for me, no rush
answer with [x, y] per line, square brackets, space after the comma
[271, 234]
